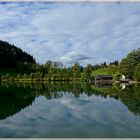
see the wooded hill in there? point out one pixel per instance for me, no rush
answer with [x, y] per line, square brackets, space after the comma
[10, 55]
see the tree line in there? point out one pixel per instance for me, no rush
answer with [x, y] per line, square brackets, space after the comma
[26, 68]
[55, 71]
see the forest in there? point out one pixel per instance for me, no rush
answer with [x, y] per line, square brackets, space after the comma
[17, 65]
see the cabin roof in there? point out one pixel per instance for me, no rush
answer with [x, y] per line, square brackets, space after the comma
[104, 76]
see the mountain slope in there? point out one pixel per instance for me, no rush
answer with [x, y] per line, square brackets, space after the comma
[10, 55]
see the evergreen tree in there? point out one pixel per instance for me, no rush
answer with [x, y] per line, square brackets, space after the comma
[129, 63]
[137, 73]
[10, 55]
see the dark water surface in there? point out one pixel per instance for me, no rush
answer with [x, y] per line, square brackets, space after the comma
[69, 110]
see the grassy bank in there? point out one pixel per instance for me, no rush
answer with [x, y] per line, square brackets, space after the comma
[106, 71]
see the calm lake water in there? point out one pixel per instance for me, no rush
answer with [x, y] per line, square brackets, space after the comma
[69, 110]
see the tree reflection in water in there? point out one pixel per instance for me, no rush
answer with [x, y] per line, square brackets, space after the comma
[16, 96]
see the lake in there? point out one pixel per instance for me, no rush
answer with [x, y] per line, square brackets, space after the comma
[69, 110]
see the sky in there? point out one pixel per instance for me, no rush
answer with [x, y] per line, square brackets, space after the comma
[83, 32]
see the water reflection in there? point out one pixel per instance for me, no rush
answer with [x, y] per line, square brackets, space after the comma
[14, 97]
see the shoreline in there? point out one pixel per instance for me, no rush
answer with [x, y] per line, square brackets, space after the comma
[65, 81]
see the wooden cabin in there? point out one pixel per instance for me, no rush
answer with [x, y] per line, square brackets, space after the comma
[103, 79]
[104, 85]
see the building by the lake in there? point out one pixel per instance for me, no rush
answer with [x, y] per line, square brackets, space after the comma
[104, 79]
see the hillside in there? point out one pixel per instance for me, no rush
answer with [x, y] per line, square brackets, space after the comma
[10, 55]
[106, 71]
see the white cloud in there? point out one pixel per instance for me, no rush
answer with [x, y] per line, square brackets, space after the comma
[74, 56]
[57, 31]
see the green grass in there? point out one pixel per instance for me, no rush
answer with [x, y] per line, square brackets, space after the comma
[106, 71]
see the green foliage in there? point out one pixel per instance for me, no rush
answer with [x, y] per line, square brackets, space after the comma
[129, 63]
[87, 72]
[25, 67]
[137, 73]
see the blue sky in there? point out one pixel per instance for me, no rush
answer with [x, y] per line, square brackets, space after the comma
[84, 32]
